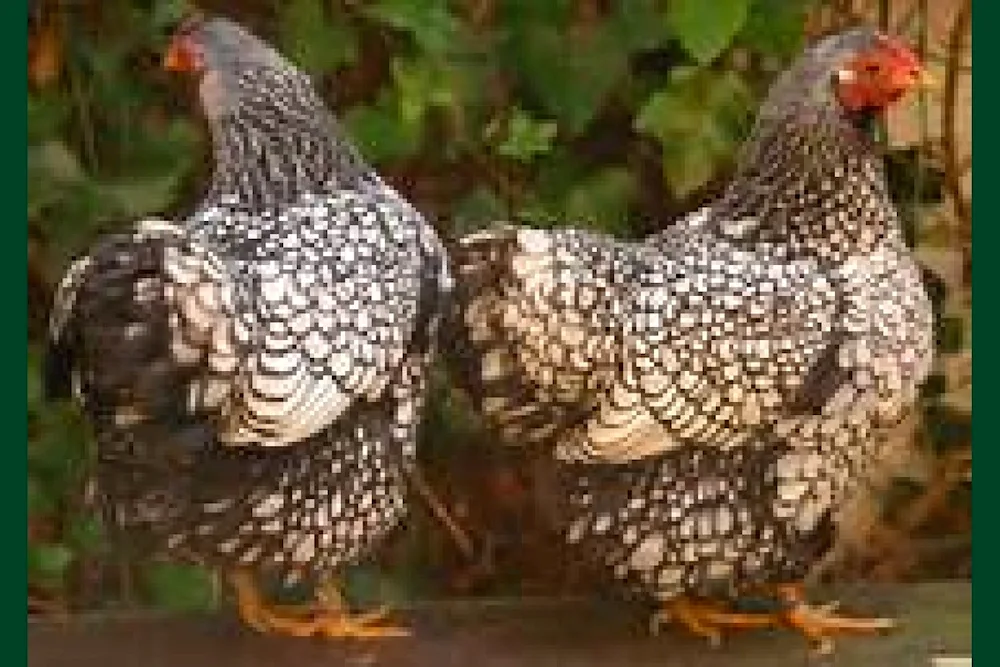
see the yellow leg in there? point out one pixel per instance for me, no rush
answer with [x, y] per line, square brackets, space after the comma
[819, 624]
[328, 616]
[708, 619]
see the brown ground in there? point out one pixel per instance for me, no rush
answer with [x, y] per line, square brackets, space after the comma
[935, 617]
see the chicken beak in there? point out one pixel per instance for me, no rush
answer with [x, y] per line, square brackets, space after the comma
[172, 61]
[181, 57]
[925, 80]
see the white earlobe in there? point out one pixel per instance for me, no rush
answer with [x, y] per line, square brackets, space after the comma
[846, 75]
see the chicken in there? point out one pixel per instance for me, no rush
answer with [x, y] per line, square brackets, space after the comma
[712, 395]
[255, 373]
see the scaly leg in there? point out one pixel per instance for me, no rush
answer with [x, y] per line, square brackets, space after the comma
[819, 624]
[327, 616]
[707, 618]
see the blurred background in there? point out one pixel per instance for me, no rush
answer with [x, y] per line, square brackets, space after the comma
[613, 115]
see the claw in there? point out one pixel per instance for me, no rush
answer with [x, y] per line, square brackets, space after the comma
[830, 607]
[819, 623]
[706, 619]
[327, 617]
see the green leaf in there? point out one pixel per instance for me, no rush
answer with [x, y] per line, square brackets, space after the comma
[160, 149]
[570, 77]
[71, 215]
[424, 84]
[602, 200]
[314, 41]
[40, 500]
[47, 112]
[689, 168]
[638, 25]
[48, 563]
[698, 118]
[167, 14]
[520, 13]
[85, 533]
[776, 27]
[366, 585]
[55, 176]
[421, 85]
[177, 587]
[433, 27]
[537, 212]
[524, 137]
[706, 28]
[54, 164]
[133, 198]
[380, 134]
[59, 450]
[479, 209]
[664, 115]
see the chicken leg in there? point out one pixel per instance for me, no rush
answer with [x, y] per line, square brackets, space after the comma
[328, 616]
[707, 618]
[819, 624]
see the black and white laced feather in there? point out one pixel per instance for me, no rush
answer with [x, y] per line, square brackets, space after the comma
[713, 393]
[255, 374]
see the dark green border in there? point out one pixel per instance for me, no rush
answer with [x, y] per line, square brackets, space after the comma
[13, 494]
[986, 237]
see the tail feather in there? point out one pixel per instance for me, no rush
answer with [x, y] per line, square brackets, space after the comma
[62, 346]
[485, 350]
[57, 367]
[165, 481]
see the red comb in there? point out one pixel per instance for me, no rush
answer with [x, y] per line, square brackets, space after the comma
[898, 50]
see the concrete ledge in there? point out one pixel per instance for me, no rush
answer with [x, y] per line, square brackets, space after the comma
[936, 629]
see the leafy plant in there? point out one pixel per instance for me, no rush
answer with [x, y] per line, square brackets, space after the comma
[698, 118]
[522, 137]
[316, 42]
[705, 29]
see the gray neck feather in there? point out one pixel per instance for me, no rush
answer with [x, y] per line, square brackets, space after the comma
[812, 182]
[275, 140]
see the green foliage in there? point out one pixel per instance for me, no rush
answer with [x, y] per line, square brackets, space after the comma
[48, 565]
[368, 585]
[431, 24]
[698, 118]
[105, 146]
[380, 132]
[477, 209]
[602, 200]
[522, 138]
[570, 79]
[705, 29]
[316, 43]
[59, 456]
[774, 27]
[422, 85]
[179, 587]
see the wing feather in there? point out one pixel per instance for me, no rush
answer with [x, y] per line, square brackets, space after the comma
[269, 341]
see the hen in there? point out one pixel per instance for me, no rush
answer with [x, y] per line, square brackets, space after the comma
[712, 394]
[255, 373]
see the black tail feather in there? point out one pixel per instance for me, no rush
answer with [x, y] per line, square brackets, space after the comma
[57, 368]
